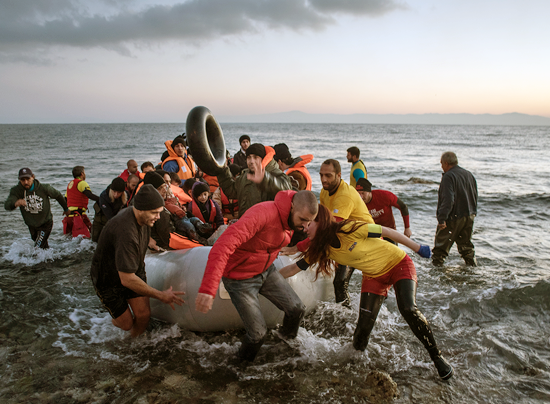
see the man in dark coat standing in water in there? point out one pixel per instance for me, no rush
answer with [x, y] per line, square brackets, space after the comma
[456, 210]
[118, 266]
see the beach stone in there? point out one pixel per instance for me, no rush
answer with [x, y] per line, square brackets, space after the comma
[380, 387]
[80, 395]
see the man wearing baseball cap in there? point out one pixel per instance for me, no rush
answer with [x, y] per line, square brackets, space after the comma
[118, 265]
[33, 200]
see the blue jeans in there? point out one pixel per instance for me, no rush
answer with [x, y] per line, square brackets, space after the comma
[271, 284]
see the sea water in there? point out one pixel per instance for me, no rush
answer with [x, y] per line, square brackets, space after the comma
[492, 322]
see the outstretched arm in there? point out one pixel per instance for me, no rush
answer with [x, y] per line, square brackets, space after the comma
[135, 283]
[422, 250]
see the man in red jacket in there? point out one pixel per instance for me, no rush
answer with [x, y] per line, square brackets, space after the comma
[243, 258]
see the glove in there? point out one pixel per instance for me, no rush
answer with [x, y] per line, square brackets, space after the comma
[424, 251]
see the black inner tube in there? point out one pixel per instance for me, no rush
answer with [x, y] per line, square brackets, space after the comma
[205, 140]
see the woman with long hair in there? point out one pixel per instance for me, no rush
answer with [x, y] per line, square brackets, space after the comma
[358, 245]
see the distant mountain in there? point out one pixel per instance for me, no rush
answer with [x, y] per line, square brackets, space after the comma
[430, 119]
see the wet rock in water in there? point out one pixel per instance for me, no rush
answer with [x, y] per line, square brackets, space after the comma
[80, 395]
[380, 387]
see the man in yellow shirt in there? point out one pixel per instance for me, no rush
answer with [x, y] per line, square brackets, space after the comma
[343, 202]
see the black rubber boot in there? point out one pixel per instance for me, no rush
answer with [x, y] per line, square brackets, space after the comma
[405, 292]
[249, 350]
[443, 367]
[368, 312]
[291, 324]
[342, 276]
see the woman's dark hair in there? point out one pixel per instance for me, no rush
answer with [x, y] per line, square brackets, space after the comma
[325, 236]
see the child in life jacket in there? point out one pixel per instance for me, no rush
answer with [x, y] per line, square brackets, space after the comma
[202, 207]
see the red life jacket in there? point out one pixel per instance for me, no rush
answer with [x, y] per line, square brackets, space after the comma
[300, 166]
[230, 207]
[187, 168]
[75, 198]
[197, 213]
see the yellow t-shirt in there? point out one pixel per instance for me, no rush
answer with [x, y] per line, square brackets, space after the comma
[346, 203]
[365, 250]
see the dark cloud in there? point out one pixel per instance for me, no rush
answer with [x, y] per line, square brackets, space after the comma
[113, 24]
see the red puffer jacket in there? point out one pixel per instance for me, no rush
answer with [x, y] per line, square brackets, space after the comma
[248, 247]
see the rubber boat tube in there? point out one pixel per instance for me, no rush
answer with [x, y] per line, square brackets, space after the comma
[184, 269]
[205, 140]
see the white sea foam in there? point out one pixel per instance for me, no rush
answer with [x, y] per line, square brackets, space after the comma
[22, 251]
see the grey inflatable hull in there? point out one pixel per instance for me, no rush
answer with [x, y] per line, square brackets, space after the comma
[184, 269]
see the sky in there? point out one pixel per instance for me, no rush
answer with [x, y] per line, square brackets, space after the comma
[76, 61]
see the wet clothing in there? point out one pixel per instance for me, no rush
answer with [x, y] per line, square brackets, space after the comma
[121, 248]
[249, 193]
[458, 231]
[383, 265]
[38, 210]
[457, 208]
[249, 246]
[244, 256]
[358, 170]
[37, 214]
[78, 194]
[380, 208]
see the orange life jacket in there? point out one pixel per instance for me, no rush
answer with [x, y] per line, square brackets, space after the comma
[186, 166]
[212, 181]
[179, 242]
[180, 193]
[197, 213]
[75, 198]
[300, 166]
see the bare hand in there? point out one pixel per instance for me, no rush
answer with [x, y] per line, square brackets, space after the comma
[289, 250]
[153, 245]
[442, 226]
[203, 302]
[20, 202]
[67, 213]
[408, 232]
[259, 173]
[170, 297]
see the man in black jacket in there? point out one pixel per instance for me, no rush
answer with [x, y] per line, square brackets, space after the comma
[456, 210]
[240, 157]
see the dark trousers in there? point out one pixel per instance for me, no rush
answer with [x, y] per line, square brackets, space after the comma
[41, 234]
[459, 231]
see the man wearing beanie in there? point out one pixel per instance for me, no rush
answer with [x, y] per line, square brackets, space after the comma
[111, 200]
[259, 182]
[178, 161]
[118, 266]
[33, 200]
[240, 157]
[379, 203]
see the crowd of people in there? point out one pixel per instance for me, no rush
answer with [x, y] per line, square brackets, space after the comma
[259, 205]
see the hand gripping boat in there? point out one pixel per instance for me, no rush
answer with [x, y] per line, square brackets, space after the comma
[184, 269]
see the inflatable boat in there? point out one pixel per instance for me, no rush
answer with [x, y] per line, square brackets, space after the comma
[184, 269]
